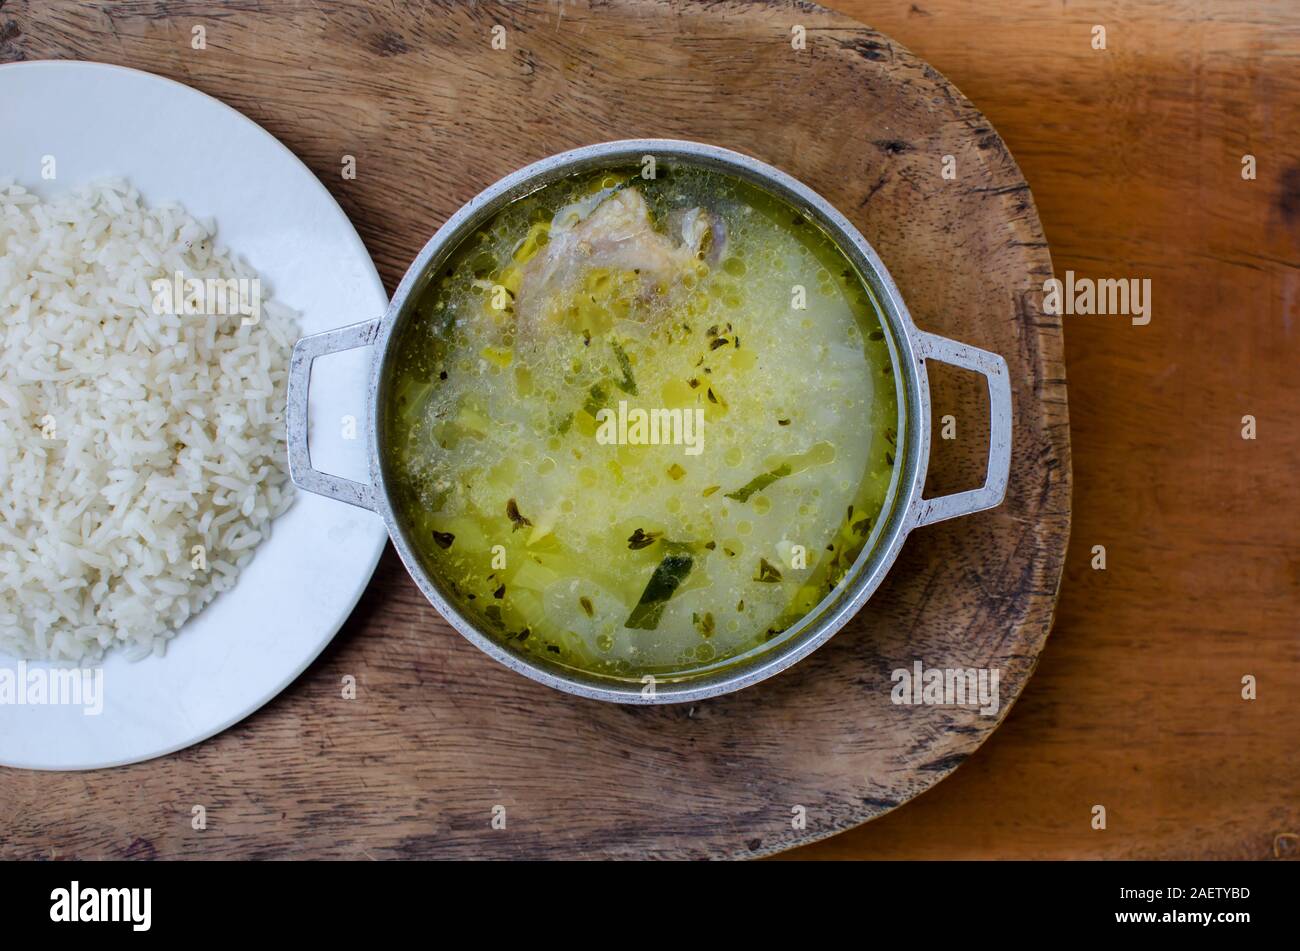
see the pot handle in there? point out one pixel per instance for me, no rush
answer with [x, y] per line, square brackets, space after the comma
[305, 351]
[994, 370]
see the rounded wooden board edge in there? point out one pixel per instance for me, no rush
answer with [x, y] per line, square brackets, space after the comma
[394, 222]
[1051, 365]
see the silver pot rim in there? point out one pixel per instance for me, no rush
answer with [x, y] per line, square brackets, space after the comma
[910, 349]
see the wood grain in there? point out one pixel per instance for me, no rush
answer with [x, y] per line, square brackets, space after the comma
[439, 735]
[1135, 158]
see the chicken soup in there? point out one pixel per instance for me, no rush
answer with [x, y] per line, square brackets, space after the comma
[641, 421]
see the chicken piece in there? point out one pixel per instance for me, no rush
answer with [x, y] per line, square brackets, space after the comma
[619, 237]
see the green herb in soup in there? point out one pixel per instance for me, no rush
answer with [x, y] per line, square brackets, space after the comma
[641, 425]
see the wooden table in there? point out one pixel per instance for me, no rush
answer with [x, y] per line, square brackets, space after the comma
[1134, 154]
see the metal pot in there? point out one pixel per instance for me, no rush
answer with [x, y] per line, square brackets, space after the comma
[904, 508]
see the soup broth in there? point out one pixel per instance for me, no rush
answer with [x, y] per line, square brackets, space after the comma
[641, 425]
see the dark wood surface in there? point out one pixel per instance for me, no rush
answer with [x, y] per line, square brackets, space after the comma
[1134, 154]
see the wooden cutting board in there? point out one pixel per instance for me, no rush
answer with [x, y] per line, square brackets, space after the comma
[439, 739]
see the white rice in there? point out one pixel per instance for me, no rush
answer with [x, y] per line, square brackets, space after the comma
[142, 454]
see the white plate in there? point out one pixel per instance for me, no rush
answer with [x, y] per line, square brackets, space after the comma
[173, 142]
